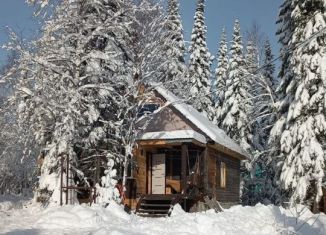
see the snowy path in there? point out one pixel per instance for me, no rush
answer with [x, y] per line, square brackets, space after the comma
[32, 219]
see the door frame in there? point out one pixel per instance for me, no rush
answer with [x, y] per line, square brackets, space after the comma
[151, 171]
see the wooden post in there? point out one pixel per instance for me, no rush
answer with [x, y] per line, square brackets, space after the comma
[324, 198]
[67, 179]
[97, 180]
[61, 180]
[184, 150]
[205, 162]
[94, 195]
[149, 172]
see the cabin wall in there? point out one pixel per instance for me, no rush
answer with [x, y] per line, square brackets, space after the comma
[140, 172]
[167, 120]
[231, 193]
[322, 204]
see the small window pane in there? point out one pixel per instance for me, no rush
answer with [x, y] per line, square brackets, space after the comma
[223, 175]
[147, 109]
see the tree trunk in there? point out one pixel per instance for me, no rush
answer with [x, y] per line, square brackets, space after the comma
[125, 173]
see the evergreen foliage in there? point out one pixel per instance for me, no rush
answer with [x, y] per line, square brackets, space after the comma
[175, 50]
[199, 66]
[298, 137]
[236, 109]
[221, 74]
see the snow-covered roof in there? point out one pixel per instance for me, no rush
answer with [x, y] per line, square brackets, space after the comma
[200, 121]
[173, 135]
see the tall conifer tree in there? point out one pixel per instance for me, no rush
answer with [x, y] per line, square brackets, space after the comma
[221, 74]
[174, 49]
[237, 106]
[299, 135]
[199, 66]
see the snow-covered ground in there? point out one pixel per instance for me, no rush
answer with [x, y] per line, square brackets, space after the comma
[29, 218]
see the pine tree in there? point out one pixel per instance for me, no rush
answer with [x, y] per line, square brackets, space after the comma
[298, 136]
[199, 66]
[237, 106]
[175, 49]
[221, 74]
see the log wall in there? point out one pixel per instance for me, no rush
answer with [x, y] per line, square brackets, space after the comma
[231, 193]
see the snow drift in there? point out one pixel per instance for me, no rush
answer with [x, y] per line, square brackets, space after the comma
[81, 219]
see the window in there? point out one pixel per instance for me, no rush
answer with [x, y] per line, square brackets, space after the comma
[223, 175]
[148, 109]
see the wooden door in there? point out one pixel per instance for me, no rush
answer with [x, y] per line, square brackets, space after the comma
[158, 174]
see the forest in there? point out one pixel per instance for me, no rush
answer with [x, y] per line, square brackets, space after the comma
[80, 89]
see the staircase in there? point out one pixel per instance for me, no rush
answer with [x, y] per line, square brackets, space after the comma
[157, 205]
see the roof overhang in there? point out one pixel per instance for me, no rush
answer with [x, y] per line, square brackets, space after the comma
[228, 151]
[221, 139]
[170, 137]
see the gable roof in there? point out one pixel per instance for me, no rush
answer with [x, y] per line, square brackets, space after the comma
[200, 121]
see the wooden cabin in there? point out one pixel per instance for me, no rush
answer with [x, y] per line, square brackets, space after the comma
[182, 157]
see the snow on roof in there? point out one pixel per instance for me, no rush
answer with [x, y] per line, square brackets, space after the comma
[172, 135]
[200, 121]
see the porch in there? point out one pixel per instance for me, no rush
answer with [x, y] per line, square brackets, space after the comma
[171, 170]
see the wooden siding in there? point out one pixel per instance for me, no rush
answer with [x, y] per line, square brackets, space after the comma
[140, 173]
[167, 120]
[231, 193]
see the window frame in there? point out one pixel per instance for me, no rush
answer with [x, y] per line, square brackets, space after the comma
[143, 111]
[223, 174]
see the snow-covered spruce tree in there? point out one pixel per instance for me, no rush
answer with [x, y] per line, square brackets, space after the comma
[237, 107]
[235, 113]
[199, 67]
[298, 137]
[221, 74]
[175, 68]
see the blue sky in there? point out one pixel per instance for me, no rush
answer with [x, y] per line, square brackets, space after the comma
[19, 17]
[219, 13]
[222, 13]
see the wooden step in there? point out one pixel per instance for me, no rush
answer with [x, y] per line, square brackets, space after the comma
[154, 205]
[162, 197]
[152, 215]
[155, 211]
